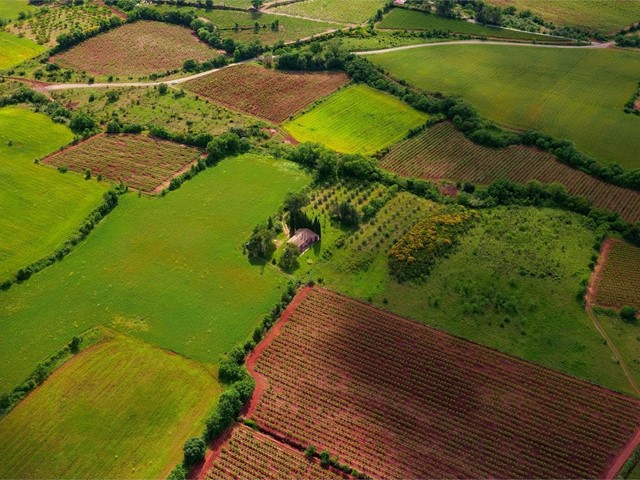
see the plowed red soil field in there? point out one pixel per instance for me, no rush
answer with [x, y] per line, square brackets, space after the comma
[141, 162]
[617, 281]
[396, 399]
[270, 94]
[442, 152]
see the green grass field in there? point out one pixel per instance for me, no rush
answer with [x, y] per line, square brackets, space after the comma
[39, 207]
[626, 337]
[571, 93]
[604, 15]
[9, 9]
[353, 12]
[357, 119]
[170, 270]
[15, 50]
[511, 284]
[121, 409]
[405, 19]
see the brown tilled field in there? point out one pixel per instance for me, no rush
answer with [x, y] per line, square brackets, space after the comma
[442, 152]
[266, 93]
[139, 161]
[396, 399]
[618, 278]
[138, 48]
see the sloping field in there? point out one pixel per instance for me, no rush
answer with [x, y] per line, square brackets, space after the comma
[15, 50]
[442, 152]
[405, 19]
[9, 9]
[266, 93]
[396, 399]
[168, 269]
[121, 409]
[39, 207]
[139, 48]
[141, 162]
[358, 119]
[250, 454]
[571, 93]
[605, 15]
[619, 280]
[351, 12]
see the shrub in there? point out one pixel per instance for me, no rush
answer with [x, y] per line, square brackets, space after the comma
[628, 314]
[289, 259]
[193, 449]
[178, 473]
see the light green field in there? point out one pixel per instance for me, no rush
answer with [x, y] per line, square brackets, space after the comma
[357, 119]
[511, 284]
[15, 50]
[353, 12]
[9, 9]
[170, 270]
[626, 337]
[121, 409]
[572, 93]
[604, 15]
[39, 207]
[403, 18]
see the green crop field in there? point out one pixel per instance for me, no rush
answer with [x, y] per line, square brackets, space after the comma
[121, 409]
[352, 12]
[405, 19]
[357, 119]
[15, 50]
[9, 9]
[511, 284]
[571, 93]
[170, 270]
[39, 207]
[604, 15]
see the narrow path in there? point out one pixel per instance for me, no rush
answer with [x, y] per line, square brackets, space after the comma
[482, 42]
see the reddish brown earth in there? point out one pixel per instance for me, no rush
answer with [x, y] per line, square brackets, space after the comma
[265, 93]
[596, 276]
[396, 399]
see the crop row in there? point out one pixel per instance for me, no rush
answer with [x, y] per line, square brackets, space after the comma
[139, 161]
[266, 93]
[249, 454]
[620, 280]
[396, 399]
[442, 152]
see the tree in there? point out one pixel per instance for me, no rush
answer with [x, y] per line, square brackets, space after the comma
[628, 314]
[81, 123]
[193, 449]
[74, 344]
[295, 201]
[289, 258]
[209, 4]
[190, 65]
[325, 458]
[260, 244]
[163, 89]
[444, 8]
[310, 452]
[346, 214]
[257, 4]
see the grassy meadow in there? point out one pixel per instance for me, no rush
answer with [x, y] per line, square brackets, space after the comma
[170, 270]
[571, 93]
[354, 12]
[357, 119]
[626, 338]
[511, 283]
[120, 409]
[9, 9]
[15, 50]
[39, 207]
[603, 15]
[405, 19]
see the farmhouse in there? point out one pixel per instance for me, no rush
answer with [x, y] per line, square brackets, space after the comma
[304, 238]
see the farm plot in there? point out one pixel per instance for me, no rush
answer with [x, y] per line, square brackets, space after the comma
[396, 399]
[405, 19]
[15, 50]
[602, 15]
[266, 93]
[167, 269]
[120, 409]
[9, 9]
[250, 454]
[358, 119]
[578, 94]
[619, 280]
[442, 152]
[45, 26]
[138, 48]
[139, 161]
[39, 207]
[351, 12]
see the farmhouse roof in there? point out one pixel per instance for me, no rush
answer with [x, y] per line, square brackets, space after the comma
[304, 236]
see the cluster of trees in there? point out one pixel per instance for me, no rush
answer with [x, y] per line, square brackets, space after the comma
[346, 214]
[632, 41]
[327, 460]
[51, 108]
[68, 40]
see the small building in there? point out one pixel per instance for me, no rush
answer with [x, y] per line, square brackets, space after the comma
[398, 2]
[304, 238]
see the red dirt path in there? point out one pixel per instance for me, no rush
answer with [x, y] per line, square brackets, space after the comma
[621, 459]
[596, 276]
